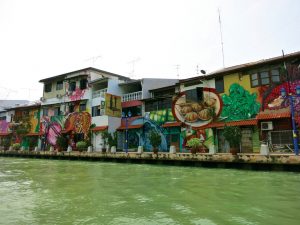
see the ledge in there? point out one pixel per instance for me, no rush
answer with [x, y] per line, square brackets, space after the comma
[278, 162]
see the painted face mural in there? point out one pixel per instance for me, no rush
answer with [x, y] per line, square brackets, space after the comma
[197, 113]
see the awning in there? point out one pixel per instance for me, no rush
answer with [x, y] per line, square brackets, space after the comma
[131, 127]
[251, 122]
[172, 124]
[99, 128]
[274, 114]
[5, 134]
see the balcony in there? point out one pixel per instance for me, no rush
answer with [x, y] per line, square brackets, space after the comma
[99, 93]
[132, 96]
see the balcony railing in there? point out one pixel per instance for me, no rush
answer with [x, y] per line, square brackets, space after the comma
[99, 93]
[132, 96]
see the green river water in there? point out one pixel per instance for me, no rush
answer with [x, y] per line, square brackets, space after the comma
[36, 191]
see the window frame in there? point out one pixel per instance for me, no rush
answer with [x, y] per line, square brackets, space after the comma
[59, 85]
[48, 87]
[260, 78]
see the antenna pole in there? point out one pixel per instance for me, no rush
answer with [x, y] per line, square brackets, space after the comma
[220, 24]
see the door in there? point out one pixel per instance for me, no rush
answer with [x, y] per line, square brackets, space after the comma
[246, 142]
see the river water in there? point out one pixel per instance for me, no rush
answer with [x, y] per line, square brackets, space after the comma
[34, 191]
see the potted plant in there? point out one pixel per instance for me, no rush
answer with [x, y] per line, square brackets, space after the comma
[81, 146]
[105, 136]
[16, 146]
[6, 143]
[113, 141]
[194, 144]
[155, 140]
[233, 135]
[62, 143]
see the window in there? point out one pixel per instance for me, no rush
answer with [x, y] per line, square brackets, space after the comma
[219, 84]
[135, 110]
[265, 77]
[194, 95]
[48, 87]
[82, 107]
[45, 112]
[71, 108]
[96, 111]
[83, 84]
[56, 111]
[72, 86]
[59, 85]
[158, 105]
[3, 118]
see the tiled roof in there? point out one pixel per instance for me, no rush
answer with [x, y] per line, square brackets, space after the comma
[99, 128]
[273, 114]
[131, 127]
[251, 122]
[172, 124]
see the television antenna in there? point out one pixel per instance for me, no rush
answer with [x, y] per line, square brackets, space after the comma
[93, 59]
[177, 67]
[8, 91]
[133, 62]
[220, 24]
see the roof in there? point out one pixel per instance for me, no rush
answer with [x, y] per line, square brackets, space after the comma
[61, 76]
[7, 104]
[172, 124]
[164, 88]
[28, 105]
[273, 114]
[99, 128]
[131, 127]
[130, 82]
[250, 122]
[245, 66]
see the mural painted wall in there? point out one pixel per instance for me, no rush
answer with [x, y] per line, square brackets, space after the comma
[113, 105]
[76, 123]
[34, 117]
[197, 114]
[4, 126]
[239, 104]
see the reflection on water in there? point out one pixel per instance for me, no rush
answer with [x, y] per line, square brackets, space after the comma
[67, 192]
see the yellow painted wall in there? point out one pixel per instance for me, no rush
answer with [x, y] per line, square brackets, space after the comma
[243, 80]
[54, 92]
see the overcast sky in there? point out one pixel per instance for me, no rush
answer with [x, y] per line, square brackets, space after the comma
[42, 38]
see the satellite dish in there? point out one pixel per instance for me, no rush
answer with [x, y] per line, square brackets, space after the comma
[203, 71]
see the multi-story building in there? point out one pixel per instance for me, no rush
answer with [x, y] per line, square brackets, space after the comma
[248, 96]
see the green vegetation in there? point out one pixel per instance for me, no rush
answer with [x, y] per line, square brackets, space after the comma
[16, 146]
[194, 144]
[233, 135]
[155, 140]
[62, 143]
[81, 146]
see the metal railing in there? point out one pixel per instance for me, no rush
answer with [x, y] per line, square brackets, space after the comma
[99, 93]
[132, 96]
[281, 141]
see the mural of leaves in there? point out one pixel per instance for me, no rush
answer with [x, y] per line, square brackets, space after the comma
[239, 104]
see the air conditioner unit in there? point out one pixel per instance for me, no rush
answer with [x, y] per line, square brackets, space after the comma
[266, 125]
[42, 99]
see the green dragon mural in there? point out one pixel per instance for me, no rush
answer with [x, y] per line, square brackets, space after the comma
[239, 104]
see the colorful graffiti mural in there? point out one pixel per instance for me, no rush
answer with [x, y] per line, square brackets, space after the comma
[197, 114]
[34, 119]
[4, 126]
[239, 104]
[52, 127]
[113, 105]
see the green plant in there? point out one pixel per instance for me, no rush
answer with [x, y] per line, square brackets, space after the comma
[233, 135]
[32, 141]
[62, 142]
[16, 146]
[6, 142]
[81, 145]
[194, 144]
[113, 139]
[155, 140]
[105, 135]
